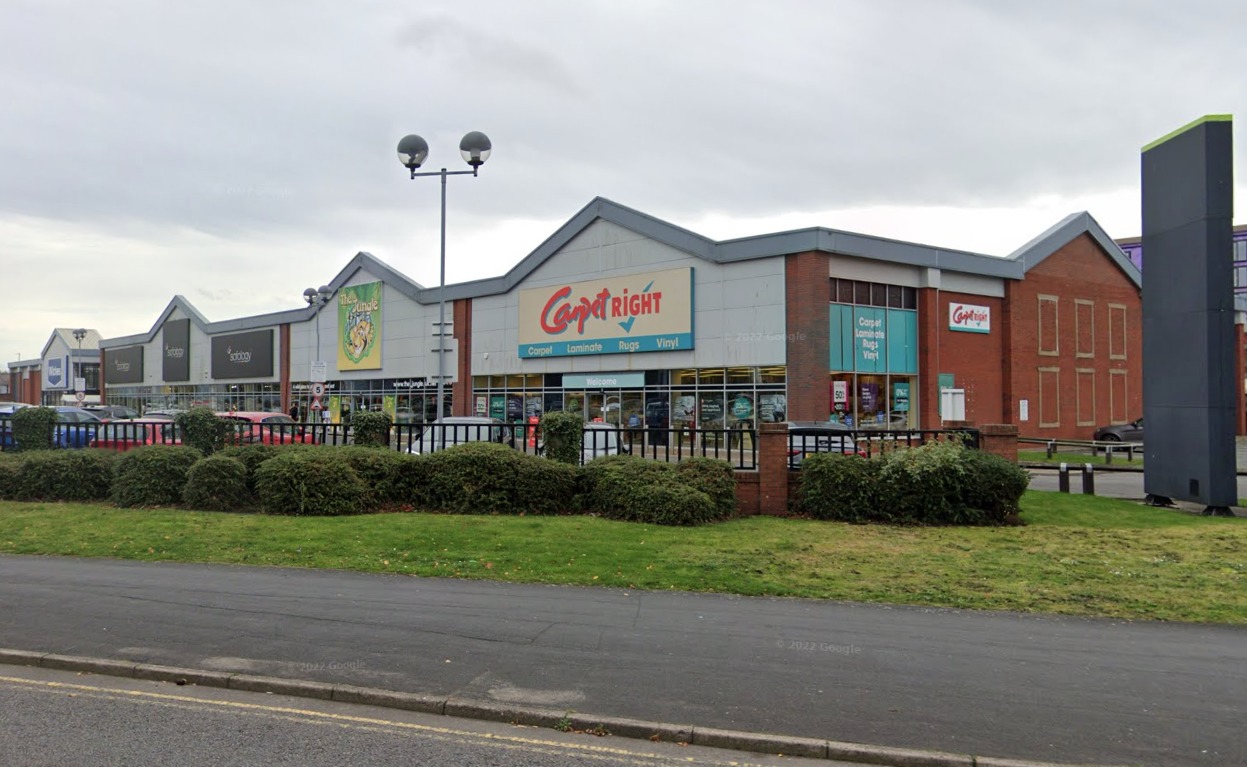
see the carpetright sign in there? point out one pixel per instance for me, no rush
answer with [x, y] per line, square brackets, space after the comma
[969, 318]
[644, 312]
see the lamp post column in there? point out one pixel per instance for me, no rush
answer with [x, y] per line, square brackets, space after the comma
[412, 151]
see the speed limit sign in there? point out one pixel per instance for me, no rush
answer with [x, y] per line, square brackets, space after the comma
[318, 390]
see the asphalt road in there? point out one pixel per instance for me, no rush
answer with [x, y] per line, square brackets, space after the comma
[58, 718]
[1059, 689]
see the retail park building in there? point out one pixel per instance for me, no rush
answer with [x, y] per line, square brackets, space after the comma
[619, 314]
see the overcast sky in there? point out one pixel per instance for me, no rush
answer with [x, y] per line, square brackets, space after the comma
[237, 152]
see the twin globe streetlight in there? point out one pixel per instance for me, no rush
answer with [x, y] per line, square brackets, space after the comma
[412, 151]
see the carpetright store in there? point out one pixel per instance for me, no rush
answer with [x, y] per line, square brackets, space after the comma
[625, 318]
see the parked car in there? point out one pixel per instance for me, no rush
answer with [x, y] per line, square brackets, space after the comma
[168, 414]
[599, 439]
[7, 410]
[456, 430]
[265, 428]
[129, 434]
[75, 427]
[1120, 432]
[112, 412]
[806, 438]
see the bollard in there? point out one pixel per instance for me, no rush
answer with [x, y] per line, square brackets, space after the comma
[1051, 449]
[1088, 479]
[1063, 478]
[1108, 454]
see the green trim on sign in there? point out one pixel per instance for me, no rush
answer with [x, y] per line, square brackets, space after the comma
[1189, 126]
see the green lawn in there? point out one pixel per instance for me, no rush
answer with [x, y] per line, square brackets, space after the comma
[1081, 555]
[1041, 456]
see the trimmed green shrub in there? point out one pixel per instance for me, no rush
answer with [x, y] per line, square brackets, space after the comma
[310, 483]
[605, 481]
[633, 489]
[371, 428]
[713, 477]
[841, 487]
[10, 472]
[488, 478]
[409, 484]
[66, 475]
[562, 433]
[152, 475]
[994, 486]
[377, 468]
[251, 457]
[671, 505]
[34, 428]
[202, 429]
[926, 485]
[217, 483]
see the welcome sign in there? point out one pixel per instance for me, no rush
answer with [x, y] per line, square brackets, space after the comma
[644, 312]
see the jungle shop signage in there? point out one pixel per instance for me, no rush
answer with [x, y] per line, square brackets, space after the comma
[644, 312]
[124, 365]
[176, 359]
[969, 318]
[243, 355]
[359, 327]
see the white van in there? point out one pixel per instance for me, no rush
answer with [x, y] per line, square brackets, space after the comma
[456, 430]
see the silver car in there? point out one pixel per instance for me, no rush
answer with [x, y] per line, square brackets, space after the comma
[456, 430]
[806, 438]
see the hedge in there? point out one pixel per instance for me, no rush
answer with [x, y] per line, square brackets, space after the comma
[152, 475]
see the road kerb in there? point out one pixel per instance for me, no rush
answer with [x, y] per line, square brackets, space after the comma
[759, 743]
[521, 715]
[407, 701]
[896, 757]
[181, 675]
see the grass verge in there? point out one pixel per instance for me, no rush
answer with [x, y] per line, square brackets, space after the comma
[1075, 459]
[1078, 555]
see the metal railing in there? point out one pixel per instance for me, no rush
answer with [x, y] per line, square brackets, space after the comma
[1095, 447]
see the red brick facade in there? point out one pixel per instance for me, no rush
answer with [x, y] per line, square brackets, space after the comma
[808, 299]
[977, 361]
[1076, 344]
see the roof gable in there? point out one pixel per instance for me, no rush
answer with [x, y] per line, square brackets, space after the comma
[1065, 231]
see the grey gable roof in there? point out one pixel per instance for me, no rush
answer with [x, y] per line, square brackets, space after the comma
[819, 239]
[742, 249]
[1062, 233]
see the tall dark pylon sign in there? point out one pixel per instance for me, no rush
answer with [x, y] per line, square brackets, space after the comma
[1189, 361]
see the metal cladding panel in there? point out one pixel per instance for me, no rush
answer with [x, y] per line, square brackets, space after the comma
[1189, 378]
[175, 350]
[243, 355]
[125, 365]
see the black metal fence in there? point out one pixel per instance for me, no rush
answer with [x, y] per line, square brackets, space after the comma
[738, 447]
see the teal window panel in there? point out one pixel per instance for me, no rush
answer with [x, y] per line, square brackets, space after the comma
[902, 341]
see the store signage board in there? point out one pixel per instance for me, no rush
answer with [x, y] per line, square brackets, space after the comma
[604, 381]
[969, 318]
[320, 371]
[643, 312]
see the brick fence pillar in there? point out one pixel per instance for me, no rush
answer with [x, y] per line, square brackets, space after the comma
[999, 439]
[773, 469]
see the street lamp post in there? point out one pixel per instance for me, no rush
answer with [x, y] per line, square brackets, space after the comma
[80, 391]
[317, 298]
[412, 151]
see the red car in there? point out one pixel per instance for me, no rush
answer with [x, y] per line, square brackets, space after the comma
[265, 428]
[127, 435]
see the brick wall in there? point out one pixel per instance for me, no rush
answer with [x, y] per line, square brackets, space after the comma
[1080, 271]
[461, 316]
[976, 360]
[808, 317]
